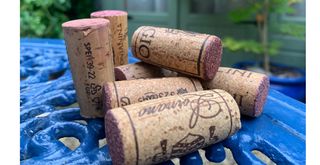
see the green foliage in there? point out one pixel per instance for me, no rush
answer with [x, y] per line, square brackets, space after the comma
[295, 30]
[254, 10]
[43, 18]
[254, 7]
[245, 13]
[250, 46]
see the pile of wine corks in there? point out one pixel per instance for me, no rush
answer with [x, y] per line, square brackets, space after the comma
[175, 101]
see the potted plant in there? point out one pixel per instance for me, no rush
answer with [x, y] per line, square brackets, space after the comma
[286, 79]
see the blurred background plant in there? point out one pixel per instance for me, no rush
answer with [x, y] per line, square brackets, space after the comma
[260, 11]
[43, 18]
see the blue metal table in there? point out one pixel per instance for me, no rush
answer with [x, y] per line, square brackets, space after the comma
[46, 93]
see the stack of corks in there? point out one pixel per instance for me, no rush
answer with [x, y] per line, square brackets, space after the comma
[175, 101]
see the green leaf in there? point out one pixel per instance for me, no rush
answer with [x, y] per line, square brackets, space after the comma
[291, 29]
[249, 46]
[274, 47]
[245, 13]
[44, 18]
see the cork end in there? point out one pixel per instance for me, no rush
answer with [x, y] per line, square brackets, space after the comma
[108, 13]
[262, 94]
[119, 75]
[113, 136]
[82, 24]
[212, 57]
[106, 98]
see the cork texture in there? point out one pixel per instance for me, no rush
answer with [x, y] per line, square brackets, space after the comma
[91, 61]
[249, 89]
[119, 32]
[194, 54]
[122, 93]
[141, 70]
[154, 131]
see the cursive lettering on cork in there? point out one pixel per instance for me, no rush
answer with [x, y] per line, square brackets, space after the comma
[201, 103]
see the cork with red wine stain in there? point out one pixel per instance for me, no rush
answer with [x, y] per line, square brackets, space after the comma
[194, 54]
[249, 89]
[141, 70]
[122, 93]
[119, 32]
[91, 61]
[158, 130]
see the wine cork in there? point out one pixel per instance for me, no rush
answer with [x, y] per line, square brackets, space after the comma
[91, 61]
[249, 89]
[194, 54]
[154, 131]
[141, 70]
[121, 93]
[119, 32]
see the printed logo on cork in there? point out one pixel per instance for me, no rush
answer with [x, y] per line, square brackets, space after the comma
[203, 106]
[145, 41]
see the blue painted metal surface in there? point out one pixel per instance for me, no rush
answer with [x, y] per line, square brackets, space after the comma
[46, 86]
